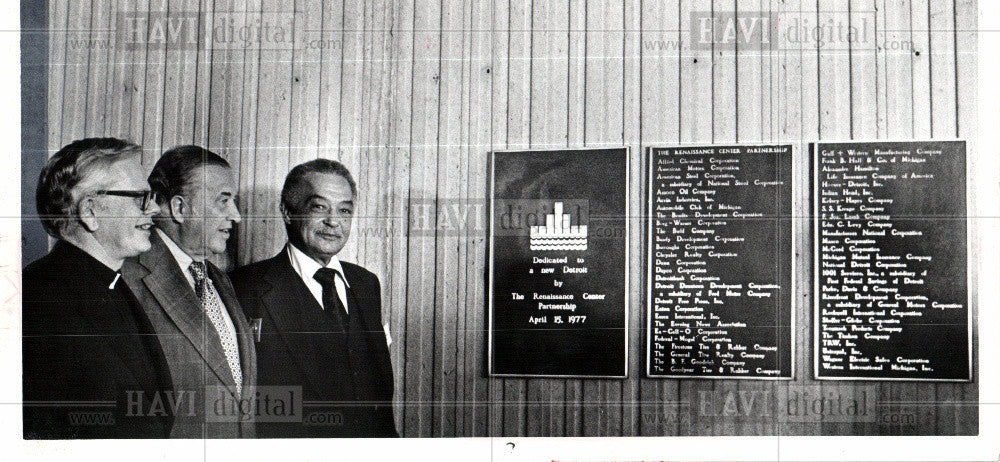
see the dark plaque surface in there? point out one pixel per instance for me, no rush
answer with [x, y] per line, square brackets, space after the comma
[558, 272]
[720, 252]
[891, 264]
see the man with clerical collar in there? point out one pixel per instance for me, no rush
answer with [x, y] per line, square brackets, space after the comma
[190, 302]
[91, 366]
[320, 318]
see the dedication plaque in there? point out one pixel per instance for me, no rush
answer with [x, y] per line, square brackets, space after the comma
[890, 261]
[558, 263]
[720, 256]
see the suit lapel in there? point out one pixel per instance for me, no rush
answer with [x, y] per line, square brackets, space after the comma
[172, 291]
[286, 298]
[370, 316]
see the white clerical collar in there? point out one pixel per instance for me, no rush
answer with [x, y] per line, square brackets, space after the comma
[307, 267]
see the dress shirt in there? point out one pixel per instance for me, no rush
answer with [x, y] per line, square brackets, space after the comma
[184, 262]
[306, 268]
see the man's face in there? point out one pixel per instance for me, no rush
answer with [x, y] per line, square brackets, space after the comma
[123, 228]
[319, 218]
[211, 211]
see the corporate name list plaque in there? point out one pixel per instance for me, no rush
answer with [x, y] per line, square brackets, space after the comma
[558, 263]
[720, 256]
[891, 261]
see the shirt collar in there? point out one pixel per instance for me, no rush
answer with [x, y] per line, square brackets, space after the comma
[307, 267]
[183, 259]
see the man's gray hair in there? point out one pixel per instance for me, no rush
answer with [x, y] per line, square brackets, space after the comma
[56, 197]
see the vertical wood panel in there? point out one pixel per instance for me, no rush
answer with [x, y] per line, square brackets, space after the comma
[400, 156]
[96, 67]
[473, 400]
[271, 147]
[372, 160]
[374, 170]
[421, 304]
[310, 40]
[749, 77]
[153, 86]
[58, 66]
[198, 59]
[203, 73]
[74, 116]
[250, 192]
[135, 68]
[179, 77]
[221, 132]
[117, 85]
[921, 61]
[769, 80]
[942, 68]
[225, 92]
[331, 72]
[354, 111]
[452, 122]
[864, 70]
[895, 74]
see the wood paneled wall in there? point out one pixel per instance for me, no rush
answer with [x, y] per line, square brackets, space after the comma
[412, 96]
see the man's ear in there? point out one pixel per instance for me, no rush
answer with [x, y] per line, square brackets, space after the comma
[178, 209]
[286, 214]
[87, 214]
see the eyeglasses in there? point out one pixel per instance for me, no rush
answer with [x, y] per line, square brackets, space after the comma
[145, 197]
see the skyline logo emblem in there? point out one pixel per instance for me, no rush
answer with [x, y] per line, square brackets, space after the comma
[558, 233]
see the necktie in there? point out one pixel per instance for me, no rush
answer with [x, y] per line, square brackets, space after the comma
[213, 306]
[327, 277]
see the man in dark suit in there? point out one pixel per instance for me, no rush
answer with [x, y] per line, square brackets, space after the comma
[320, 318]
[190, 302]
[91, 368]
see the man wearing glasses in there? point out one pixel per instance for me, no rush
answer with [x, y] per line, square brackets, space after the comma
[190, 302]
[91, 366]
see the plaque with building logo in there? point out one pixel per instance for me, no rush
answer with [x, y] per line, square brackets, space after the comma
[719, 262]
[558, 256]
[890, 272]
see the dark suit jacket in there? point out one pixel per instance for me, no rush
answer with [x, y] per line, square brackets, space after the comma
[291, 352]
[84, 343]
[202, 380]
